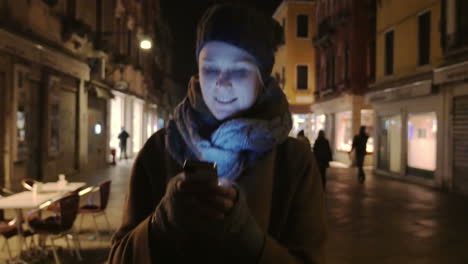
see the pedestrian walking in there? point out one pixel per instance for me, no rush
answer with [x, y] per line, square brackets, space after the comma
[268, 206]
[359, 148]
[301, 136]
[323, 155]
[123, 136]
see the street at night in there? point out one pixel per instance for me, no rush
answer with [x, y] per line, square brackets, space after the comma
[234, 131]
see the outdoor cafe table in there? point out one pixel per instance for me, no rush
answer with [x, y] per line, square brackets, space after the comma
[30, 200]
[56, 187]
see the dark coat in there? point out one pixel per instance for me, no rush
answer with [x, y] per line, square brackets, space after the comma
[322, 152]
[284, 194]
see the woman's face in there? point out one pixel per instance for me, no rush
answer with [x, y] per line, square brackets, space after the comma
[229, 79]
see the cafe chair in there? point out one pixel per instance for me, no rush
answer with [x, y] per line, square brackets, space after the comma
[98, 209]
[61, 225]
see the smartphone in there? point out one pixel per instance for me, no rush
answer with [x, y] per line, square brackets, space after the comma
[200, 171]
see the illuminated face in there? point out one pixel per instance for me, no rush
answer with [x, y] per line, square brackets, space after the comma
[229, 79]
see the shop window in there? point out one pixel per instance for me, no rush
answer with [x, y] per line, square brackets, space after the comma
[137, 126]
[302, 26]
[302, 122]
[343, 131]
[116, 121]
[54, 115]
[318, 123]
[367, 120]
[424, 38]
[389, 153]
[422, 144]
[22, 112]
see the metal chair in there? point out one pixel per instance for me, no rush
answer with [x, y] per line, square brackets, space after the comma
[61, 225]
[95, 210]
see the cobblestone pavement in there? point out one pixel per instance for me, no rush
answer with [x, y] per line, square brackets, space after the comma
[381, 221]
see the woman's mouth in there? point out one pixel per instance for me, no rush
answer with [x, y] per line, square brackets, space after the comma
[225, 100]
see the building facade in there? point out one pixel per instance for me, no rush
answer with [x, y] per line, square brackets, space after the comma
[294, 67]
[344, 61]
[411, 112]
[451, 80]
[57, 79]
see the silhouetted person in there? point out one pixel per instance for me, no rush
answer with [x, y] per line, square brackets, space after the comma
[123, 136]
[323, 155]
[359, 145]
[301, 136]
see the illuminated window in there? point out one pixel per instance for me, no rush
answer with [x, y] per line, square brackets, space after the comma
[422, 143]
[343, 132]
[367, 119]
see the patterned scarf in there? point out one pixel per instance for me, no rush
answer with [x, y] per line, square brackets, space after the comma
[233, 144]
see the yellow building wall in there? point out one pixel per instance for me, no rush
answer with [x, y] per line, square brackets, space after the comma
[281, 54]
[402, 18]
[297, 51]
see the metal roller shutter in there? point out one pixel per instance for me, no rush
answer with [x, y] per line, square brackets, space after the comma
[460, 144]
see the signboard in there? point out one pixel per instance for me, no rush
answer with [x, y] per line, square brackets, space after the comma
[452, 73]
[403, 92]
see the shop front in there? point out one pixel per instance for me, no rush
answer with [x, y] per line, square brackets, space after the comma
[409, 135]
[40, 109]
[453, 81]
[341, 119]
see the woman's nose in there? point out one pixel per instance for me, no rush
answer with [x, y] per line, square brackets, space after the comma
[223, 79]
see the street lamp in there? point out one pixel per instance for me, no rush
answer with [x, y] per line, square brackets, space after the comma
[145, 44]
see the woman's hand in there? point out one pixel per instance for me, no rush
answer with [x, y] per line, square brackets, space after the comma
[207, 198]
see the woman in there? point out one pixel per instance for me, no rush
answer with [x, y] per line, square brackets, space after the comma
[323, 155]
[234, 115]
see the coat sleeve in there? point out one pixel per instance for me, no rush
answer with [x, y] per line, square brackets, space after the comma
[130, 243]
[304, 233]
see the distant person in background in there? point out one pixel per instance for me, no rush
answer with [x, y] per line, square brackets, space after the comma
[323, 155]
[123, 136]
[359, 147]
[301, 136]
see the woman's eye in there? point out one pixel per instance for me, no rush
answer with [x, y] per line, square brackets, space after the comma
[210, 71]
[240, 73]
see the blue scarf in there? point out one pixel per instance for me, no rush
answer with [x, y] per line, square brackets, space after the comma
[234, 144]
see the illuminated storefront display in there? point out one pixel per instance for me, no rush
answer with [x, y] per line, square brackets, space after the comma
[137, 126]
[302, 122]
[116, 118]
[422, 143]
[343, 132]
[367, 119]
[318, 123]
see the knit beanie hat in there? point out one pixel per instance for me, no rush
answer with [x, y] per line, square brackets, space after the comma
[245, 28]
